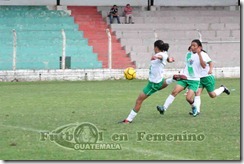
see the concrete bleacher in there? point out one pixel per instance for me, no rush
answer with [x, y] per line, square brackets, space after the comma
[94, 28]
[39, 39]
[219, 28]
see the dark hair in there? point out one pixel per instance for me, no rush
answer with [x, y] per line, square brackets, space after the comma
[161, 45]
[199, 43]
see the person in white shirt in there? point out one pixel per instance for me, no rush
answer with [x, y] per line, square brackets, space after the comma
[192, 70]
[207, 81]
[156, 80]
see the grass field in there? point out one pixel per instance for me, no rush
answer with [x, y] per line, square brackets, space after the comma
[30, 107]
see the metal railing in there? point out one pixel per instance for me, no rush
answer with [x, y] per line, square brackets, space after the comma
[64, 49]
[109, 49]
[14, 49]
[16, 44]
[214, 42]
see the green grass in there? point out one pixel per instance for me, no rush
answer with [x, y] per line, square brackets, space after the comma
[30, 107]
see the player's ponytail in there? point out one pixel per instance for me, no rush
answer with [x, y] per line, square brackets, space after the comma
[204, 51]
[165, 47]
[161, 45]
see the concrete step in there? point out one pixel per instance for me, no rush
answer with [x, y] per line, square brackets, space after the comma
[94, 28]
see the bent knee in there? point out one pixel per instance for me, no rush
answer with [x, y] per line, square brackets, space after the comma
[190, 100]
[212, 94]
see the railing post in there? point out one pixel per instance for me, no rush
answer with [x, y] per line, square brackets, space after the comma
[200, 35]
[14, 49]
[155, 35]
[63, 49]
[109, 49]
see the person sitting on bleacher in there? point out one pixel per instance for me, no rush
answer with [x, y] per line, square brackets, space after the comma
[114, 14]
[128, 14]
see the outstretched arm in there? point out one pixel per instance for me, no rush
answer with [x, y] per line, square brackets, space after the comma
[169, 59]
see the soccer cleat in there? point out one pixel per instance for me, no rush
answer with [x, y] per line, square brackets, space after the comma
[227, 91]
[161, 109]
[194, 111]
[125, 122]
[190, 113]
[179, 77]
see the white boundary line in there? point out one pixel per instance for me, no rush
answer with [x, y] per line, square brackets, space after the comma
[23, 128]
[158, 154]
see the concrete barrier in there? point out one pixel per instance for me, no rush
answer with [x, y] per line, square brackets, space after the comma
[97, 74]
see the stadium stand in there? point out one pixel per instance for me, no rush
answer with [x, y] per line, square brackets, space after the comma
[39, 39]
[220, 34]
[94, 28]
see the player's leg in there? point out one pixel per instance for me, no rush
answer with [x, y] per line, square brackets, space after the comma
[190, 99]
[197, 100]
[216, 92]
[210, 87]
[172, 79]
[219, 91]
[178, 88]
[209, 83]
[147, 91]
[205, 82]
[193, 87]
[139, 101]
[136, 108]
[167, 82]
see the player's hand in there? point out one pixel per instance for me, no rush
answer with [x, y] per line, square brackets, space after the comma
[209, 72]
[171, 59]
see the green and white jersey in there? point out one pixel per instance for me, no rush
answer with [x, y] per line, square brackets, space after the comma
[157, 68]
[193, 68]
[206, 59]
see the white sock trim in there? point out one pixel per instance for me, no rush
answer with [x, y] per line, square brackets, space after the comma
[219, 91]
[168, 101]
[169, 80]
[197, 102]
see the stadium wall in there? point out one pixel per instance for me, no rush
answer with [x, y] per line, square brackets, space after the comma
[156, 2]
[29, 2]
[97, 74]
[122, 3]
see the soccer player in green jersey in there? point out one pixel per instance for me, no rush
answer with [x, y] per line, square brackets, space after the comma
[156, 80]
[207, 81]
[192, 70]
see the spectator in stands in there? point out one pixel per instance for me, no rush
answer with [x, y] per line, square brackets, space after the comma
[128, 14]
[114, 14]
